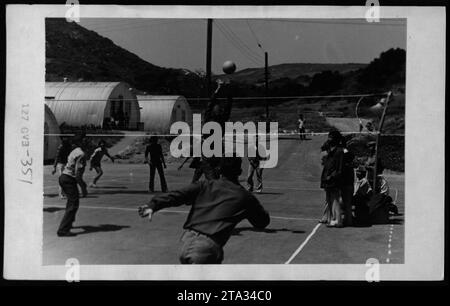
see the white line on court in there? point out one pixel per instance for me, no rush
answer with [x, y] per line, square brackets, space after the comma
[300, 248]
[170, 211]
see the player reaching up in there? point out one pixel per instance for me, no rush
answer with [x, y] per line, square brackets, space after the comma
[219, 112]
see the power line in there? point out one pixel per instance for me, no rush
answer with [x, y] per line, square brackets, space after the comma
[236, 43]
[254, 35]
[332, 22]
[239, 48]
[234, 98]
[242, 42]
[243, 51]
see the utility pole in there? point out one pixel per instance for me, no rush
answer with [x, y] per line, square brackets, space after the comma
[208, 55]
[266, 74]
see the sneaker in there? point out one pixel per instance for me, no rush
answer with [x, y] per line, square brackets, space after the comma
[258, 190]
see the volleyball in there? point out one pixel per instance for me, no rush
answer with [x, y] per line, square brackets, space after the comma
[229, 67]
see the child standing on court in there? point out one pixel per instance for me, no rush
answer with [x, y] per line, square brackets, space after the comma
[96, 160]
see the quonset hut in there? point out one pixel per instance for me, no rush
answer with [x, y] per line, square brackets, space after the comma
[159, 112]
[51, 135]
[93, 104]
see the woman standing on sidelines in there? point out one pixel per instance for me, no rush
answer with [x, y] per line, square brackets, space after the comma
[96, 160]
[331, 179]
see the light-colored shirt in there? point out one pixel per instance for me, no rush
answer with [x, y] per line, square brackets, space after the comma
[300, 123]
[76, 155]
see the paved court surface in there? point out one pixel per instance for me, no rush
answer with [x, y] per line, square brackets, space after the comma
[110, 231]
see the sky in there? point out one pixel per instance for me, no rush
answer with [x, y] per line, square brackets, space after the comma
[181, 43]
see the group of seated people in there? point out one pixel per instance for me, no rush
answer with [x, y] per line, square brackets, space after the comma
[352, 198]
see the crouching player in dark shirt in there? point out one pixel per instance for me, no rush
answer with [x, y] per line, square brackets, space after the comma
[217, 206]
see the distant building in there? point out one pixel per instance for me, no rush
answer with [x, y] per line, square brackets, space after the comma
[159, 112]
[51, 135]
[96, 104]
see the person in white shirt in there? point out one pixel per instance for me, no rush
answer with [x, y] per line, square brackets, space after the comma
[76, 163]
[301, 127]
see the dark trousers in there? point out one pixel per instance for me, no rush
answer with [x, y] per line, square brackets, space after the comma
[153, 168]
[200, 249]
[302, 134]
[251, 170]
[69, 187]
[197, 175]
[82, 183]
[347, 201]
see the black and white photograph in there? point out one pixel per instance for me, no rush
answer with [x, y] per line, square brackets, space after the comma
[260, 144]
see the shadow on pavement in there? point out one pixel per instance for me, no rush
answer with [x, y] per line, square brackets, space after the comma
[87, 229]
[109, 187]
[120, 191]
[269, 193]
[237, 231]
[53, 209]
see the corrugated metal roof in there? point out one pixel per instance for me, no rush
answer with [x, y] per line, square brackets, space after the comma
[156, 111]
[80, 103]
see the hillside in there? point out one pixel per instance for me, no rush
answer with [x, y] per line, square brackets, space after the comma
[77, 53]
[297, 71]
[80, 54]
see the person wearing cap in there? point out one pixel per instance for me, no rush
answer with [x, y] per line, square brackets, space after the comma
[76, 163]
[331, 178]
[216, 207]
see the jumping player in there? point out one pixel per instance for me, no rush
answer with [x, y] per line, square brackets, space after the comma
[220, 113]
[96, 160]
[217, 206]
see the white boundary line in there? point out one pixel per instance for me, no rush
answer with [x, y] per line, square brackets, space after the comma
[167, 211]
[300, 248]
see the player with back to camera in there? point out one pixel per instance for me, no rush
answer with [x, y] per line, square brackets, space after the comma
[155, 159]
[96, 159]
[76, 162]
[216, 207]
